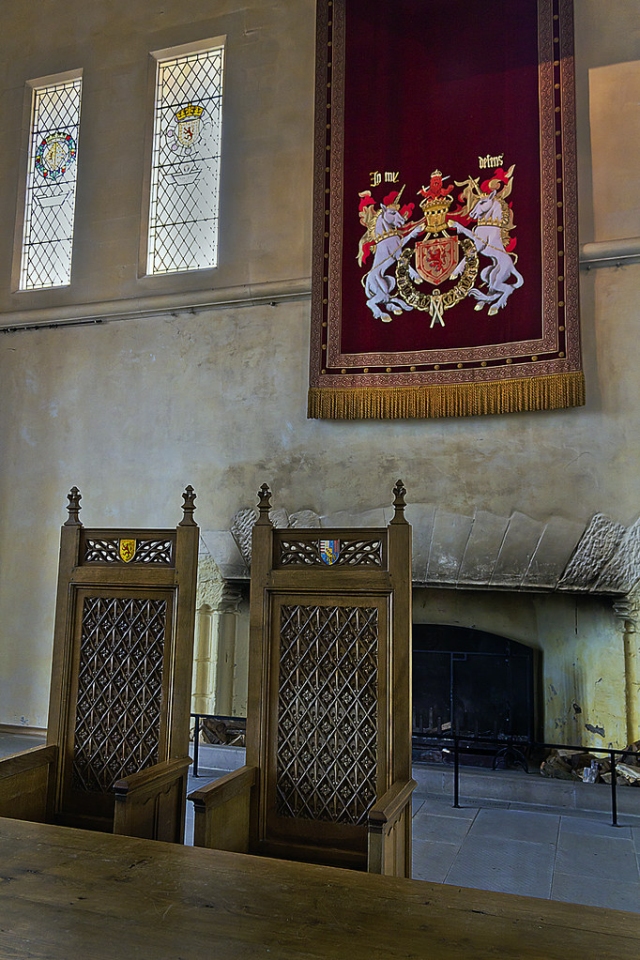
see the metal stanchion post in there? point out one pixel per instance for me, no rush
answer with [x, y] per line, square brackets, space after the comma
[456, 771]
[196, 744]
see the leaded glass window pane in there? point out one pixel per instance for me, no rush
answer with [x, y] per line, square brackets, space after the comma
[183, 216]
[51, 185]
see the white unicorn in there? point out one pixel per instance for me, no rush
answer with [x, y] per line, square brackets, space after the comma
[386, 234]
[493, 220]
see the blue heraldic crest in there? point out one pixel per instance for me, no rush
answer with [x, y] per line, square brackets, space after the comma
[329, 551]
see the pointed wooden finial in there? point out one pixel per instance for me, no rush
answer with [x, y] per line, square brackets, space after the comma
[74, 497]
[188, 507]
[264, 506]
[399, 503]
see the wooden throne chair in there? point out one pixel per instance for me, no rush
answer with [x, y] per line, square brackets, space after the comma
[328, 768]
[116, 755]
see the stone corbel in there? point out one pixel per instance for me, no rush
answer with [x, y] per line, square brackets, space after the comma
[229, 599]
[627, 610]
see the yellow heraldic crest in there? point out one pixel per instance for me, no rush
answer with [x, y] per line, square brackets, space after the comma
[188, 125]
[127, 550]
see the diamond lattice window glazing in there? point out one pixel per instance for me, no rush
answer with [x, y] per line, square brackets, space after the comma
[183, 214]
[51, 186]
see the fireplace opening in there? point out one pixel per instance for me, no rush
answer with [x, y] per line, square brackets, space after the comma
[473, 684]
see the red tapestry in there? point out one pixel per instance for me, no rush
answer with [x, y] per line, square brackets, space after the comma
[445, 274]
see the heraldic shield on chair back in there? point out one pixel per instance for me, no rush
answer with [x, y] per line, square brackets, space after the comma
[328, 771]
[116, 757]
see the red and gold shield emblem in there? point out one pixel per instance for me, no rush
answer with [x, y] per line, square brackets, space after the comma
[436, 258]
[188, 131]
[127, 550]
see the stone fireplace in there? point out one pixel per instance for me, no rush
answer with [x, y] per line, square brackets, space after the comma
[557, 598]
[472, 684]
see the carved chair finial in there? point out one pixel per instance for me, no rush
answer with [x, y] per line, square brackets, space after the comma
[74, 497]
[264, 506]
[399, 503]
[188, 507]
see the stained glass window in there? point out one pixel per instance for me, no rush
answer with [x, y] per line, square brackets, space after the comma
[51, 185]
[183, 214]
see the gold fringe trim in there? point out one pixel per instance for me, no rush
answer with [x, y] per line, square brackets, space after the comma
[552, 392]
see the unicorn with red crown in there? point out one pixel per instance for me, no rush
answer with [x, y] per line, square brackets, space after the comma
[486, 204]
[387, 232]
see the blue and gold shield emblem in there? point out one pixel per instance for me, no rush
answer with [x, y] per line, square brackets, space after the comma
[329, 551]
[127, 550]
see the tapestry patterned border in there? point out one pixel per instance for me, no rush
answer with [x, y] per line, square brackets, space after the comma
[445, 264]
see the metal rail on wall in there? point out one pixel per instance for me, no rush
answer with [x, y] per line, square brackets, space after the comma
[516, 747]
[510, 749]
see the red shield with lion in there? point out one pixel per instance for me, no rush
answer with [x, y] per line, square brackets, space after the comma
[436, 258]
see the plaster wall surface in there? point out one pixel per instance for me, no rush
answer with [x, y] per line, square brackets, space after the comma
[133, 410]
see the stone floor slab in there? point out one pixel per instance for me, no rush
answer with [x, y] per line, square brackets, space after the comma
[443, 829]
[596, 892]
[15, 743]
[444, 808]
[432, 861]
[511, 866]
[592, 857]
[516, 825]
[588, 827]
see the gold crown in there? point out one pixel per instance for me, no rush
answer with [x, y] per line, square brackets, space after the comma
[191, 112]
[435, 211]
[436, 203]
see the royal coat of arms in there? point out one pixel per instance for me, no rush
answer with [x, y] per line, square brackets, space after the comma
[187, 128]
[55, 152]
[184, 135]
[461, 223]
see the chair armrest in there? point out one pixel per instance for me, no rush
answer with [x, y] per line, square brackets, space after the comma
[225, 788]
[387, 810]
[221, 811]
[151, 803]
[149, 779]
[389, 833]
[26, 783]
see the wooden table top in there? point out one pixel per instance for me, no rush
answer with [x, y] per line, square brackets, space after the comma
[75, 895]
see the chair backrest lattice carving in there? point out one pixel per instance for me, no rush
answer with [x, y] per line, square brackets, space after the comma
[328, 718]
[326, 713]
[118, 729]
[120, 685]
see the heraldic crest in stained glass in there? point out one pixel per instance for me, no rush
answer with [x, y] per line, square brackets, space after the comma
[56, 151]
[183, 134]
